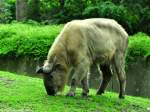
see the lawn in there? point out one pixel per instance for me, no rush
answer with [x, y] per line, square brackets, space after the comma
[20, 93]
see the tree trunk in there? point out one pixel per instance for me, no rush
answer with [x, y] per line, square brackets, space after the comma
[21, 10]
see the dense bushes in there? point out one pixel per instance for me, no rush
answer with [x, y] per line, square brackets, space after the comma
[7, 10]
[133, 15]
[82, 10]
[139, 46]
[117, 12]
[22, 39]
[34, 40]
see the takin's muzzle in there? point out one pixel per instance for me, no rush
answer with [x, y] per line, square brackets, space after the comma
[50, 90]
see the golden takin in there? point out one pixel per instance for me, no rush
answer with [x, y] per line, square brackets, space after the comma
[81, 44]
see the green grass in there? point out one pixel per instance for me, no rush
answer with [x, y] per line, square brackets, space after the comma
[22, 93]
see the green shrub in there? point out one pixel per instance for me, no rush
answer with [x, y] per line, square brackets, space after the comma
[7, 11]
[5, 14]
[34, 40]
[27, 40]
[118, 12]
[138, 46]
[133, 15]
[144, 24]
[92, 11]
[71, 10]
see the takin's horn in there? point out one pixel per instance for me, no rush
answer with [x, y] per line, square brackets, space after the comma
[39, 69]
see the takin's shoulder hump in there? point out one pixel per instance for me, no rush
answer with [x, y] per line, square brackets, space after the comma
[75, 24]
[109, 23]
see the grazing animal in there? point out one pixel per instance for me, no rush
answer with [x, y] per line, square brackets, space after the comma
[81, 44]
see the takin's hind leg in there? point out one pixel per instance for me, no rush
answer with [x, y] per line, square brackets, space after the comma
[119, 64]
[107, 74]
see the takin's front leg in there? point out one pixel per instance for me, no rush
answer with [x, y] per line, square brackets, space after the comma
[80, 75]
[72, 88]
[85, 86]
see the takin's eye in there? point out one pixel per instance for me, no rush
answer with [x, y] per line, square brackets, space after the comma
[50, 77]
[58, 67]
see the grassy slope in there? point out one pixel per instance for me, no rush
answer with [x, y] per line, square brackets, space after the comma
[22, 93]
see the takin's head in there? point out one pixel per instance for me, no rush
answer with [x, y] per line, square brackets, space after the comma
[54, 76]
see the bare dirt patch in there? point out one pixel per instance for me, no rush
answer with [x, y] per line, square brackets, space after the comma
[6, 81]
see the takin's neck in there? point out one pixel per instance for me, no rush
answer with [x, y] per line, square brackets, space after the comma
[59, 52]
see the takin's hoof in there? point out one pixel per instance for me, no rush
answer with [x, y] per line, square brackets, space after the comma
[99, 92]
[70, 94]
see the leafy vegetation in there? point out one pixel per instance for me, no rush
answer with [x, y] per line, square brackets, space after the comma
[34, 40]
[22, 93]
[138, 46]
[110, 10]
[31, 40]
[133, 18]
[7, 11]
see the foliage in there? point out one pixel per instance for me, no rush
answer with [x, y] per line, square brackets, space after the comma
[110, 10]
[69, 11]
[142, 10]
[86, 9]
[34, 10]
[5, 11]
[120, 14]
[133, 18]
[34, 40]
[92, 11]
[24, 39]
[145, 20]
[138, 46]
[22, 93]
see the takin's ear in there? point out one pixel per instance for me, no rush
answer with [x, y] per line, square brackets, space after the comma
[39, 69]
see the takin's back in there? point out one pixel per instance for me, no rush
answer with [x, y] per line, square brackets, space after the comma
[97, 28]
[99, 36]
